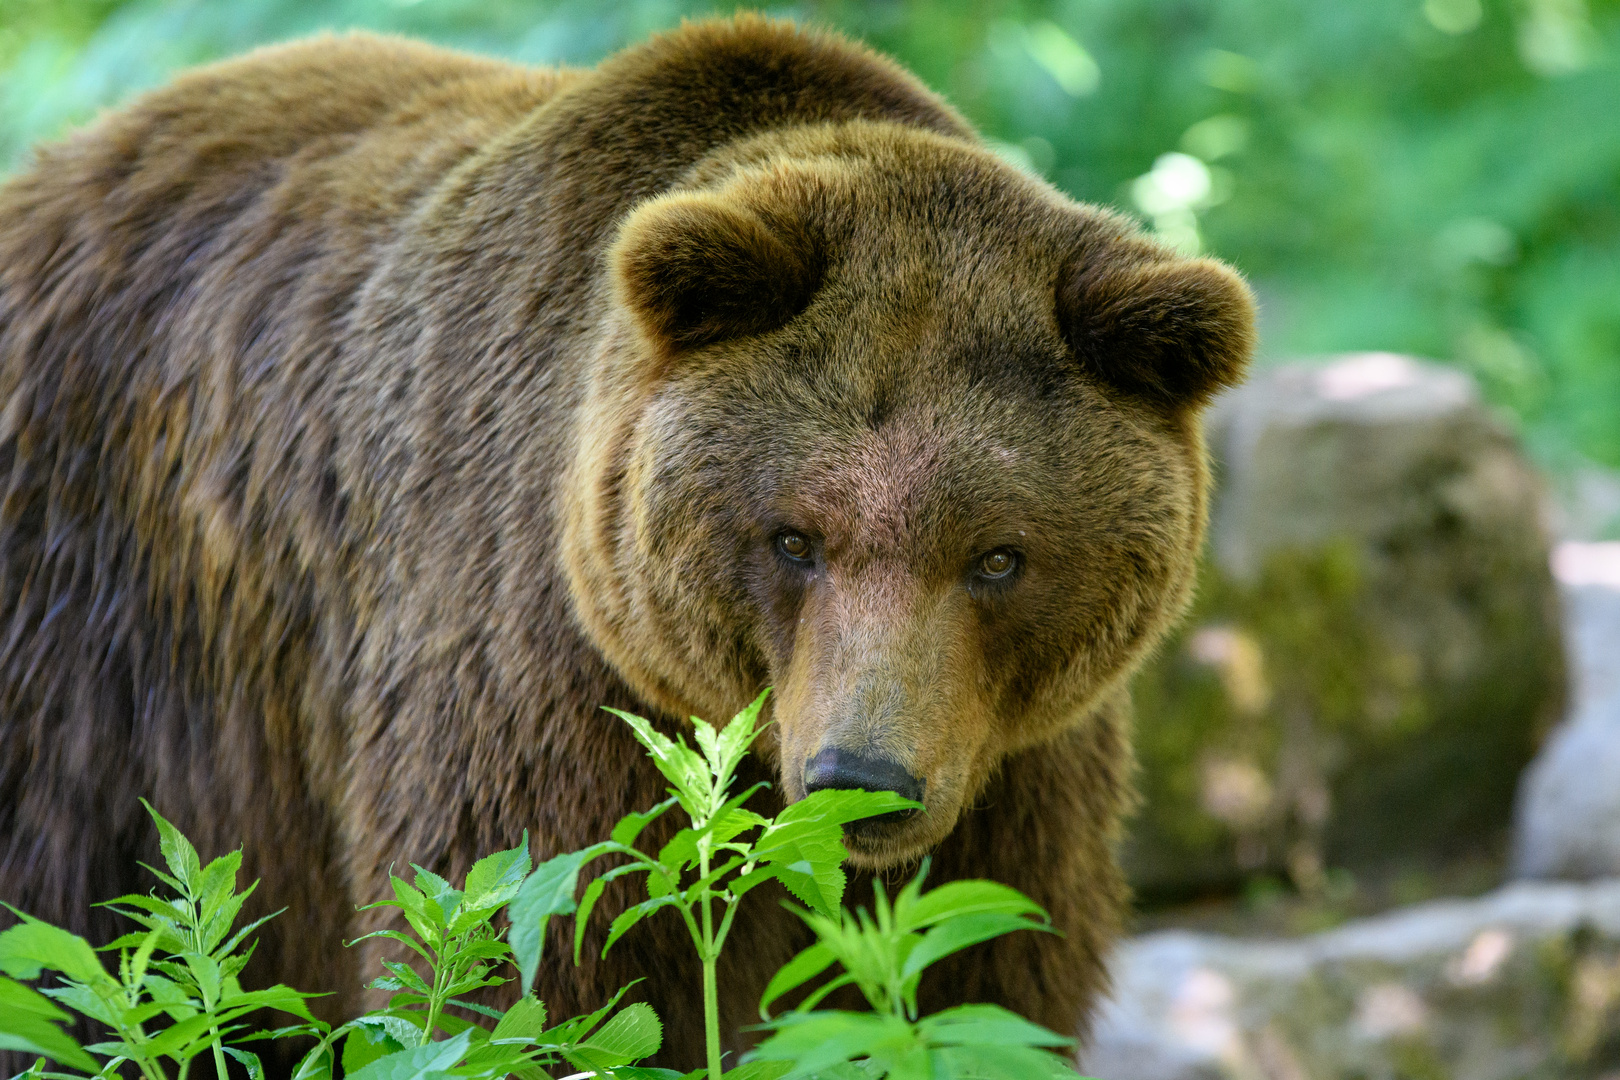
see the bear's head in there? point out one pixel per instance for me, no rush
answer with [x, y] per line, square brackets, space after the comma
[882, 422]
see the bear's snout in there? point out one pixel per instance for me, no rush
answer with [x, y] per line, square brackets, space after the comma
[847, 769]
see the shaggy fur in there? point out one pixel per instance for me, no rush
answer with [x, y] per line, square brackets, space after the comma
[373, 414]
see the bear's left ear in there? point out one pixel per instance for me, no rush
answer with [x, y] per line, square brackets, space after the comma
[1172, 331]
[695, 268]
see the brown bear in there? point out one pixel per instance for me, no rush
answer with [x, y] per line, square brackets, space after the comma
[374, 414]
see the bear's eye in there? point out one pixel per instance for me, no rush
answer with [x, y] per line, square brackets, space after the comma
[794, 545]
[997, 564]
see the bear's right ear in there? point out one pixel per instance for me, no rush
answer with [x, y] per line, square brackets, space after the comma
[695, 269]
[1169, 330]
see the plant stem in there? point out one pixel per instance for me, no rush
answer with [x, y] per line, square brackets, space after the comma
[436, 995]
[711, 997]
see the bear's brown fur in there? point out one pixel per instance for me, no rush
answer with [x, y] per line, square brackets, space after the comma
[374, 414]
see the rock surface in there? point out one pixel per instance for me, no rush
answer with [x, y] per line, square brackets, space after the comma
[1524, 982]
[1568, 823]
[1375, 653]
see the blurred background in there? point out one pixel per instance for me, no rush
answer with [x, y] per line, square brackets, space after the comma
[1380, 834]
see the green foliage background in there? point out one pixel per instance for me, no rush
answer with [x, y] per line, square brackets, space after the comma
[1439, 177]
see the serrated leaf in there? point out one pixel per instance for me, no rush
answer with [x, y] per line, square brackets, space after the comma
[548, 891]
[810, 875]
[441, 900]
[986, 1025]
[394, 935]
[418, 1062]
[204, 975]
[494, 880]
[526, 1020]
[822, 1040]
[587, 903]
[629, 828]
[407, 976]
[771, 1070]
[630, 916]
[367, 1041]
[1002, 1063]
[174, 1039]
[27, 1024]
[739, 734]
[635, 1032]
[250, 1061]
[178, 854]
[282, 998]
[795, 973]
[34, 945]
[680, 764]
[959, 932]
[963, 898]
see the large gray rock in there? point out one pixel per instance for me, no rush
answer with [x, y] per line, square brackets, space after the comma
[1375, 653]
[1524, 982]
[1568, 823]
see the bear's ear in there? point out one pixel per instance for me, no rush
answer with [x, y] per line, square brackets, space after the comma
[695, 268]
[1172, 331]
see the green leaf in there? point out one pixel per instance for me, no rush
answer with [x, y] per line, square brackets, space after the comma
[809, 874]
[178, 854]
[575, 1029]
[216, 885]
[1001, 1063]
[986, 1025]
[407, 976]
[368, 1041]
[315, 1065]
[593, 893]
[956, 934]
[27, 1024]
[413, 903]
[394, 935]
[34, 945]
[842, 805]
[281, 998]
[204, 974]
[632, 915]
[418, 1062]
[681, 851]
[739, 735]
[629, 828]
[176, 1038]
[964, 898]
[526, 1019]
[680, 764]
[795, 973]
[548, 891]
[441, 900]
[495, 879]
[821, 1040]
[250, 1061]
[758, 1070]
[634, 1033]
[405, 1030]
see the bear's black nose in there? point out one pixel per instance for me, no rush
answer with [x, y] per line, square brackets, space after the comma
[845, 769]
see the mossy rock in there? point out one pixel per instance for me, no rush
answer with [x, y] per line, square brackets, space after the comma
[1375, 651]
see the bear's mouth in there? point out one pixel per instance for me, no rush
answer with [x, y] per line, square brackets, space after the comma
[877, 843]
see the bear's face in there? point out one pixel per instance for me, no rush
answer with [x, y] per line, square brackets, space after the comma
[886, 425]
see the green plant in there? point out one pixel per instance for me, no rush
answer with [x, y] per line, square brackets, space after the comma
[185, 958]
[180, 967]
[461, 949]
[884, 955]
[712, 863]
